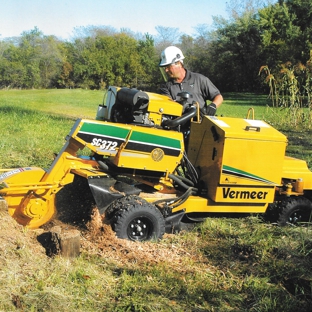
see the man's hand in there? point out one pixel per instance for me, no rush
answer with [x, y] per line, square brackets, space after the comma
[211, 109]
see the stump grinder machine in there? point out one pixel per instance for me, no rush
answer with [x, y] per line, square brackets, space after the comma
[155, 163]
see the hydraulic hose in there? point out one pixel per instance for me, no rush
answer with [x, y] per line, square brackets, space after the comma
[175, 202]
[180, 181]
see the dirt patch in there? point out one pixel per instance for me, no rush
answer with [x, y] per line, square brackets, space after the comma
[98, 239]
[76, 210]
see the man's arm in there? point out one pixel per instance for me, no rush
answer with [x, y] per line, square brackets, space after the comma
[164, 90]
[211, 109]
[218, 99]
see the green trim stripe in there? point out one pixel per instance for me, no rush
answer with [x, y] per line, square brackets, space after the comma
[243, 174]
[154, 140]
[104, 129]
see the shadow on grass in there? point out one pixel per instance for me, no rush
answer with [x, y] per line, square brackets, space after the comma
[14, 110]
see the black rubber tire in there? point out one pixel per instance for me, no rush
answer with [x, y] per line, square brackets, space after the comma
[137, 220]
[295, 211]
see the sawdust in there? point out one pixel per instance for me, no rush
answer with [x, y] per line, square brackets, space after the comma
[77, 211]
[99, 239]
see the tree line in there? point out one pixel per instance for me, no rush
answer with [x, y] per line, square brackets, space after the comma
[230, 53]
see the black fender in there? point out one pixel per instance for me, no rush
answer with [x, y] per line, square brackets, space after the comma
[106, 190]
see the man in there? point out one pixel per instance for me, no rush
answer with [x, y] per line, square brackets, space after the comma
[181, 79]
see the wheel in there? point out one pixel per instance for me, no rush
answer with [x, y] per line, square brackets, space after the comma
[295, 211]
[137, 220]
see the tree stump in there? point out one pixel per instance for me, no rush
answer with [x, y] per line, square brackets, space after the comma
[64, 242]
[3, 205]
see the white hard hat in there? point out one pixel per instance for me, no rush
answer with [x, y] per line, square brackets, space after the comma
[171, 55]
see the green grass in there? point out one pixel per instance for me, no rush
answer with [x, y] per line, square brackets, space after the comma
[29, 137]
[223, 264]
[68, 102]
[237, 105]
[34, 123]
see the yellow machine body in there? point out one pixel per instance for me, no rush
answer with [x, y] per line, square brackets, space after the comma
[240, 159]
[239, 164]
[132, 146]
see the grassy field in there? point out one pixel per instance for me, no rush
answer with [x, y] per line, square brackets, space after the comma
[223, 264]
[34, 123]
[69, 103]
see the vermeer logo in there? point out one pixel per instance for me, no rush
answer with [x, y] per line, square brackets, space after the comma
[236, 194]
[157, 154]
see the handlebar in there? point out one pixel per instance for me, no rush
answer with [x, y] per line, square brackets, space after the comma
[191, 112]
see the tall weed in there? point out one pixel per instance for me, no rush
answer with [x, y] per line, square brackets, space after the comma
[290, 89]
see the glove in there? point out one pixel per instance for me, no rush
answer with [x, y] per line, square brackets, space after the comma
[211, 109]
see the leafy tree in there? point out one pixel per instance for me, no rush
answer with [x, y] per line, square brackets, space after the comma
[93, 31]
[33, 61]
[239, 8]
[234, 54]
[149, 59]
[12, 69]
[107, 60]
[302, 10]
[29, 49]
[280, 35]
[50, 60]
[64, 79]
[198, 56]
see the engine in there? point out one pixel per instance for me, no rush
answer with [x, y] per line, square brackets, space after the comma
[132, 106]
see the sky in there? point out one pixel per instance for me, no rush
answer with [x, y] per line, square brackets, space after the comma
[61, 17]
